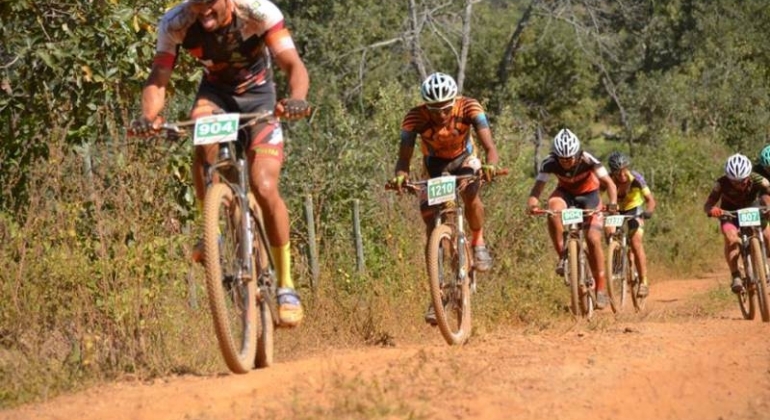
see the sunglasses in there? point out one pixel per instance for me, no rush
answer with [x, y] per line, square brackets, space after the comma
[441, 109]
[567, 159]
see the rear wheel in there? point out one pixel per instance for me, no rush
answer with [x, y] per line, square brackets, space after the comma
[746, 298]
[232, 293]
[451, 301]
[616, 276]
[265, 275]
[760, 276]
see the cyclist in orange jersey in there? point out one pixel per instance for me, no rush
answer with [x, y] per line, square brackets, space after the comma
[634, 198]
[736, 189]
[444, 123]
[236, 41]
[579, 176]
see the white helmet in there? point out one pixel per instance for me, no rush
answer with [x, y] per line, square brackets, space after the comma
[566, 144]
[438, 87]
[737, 167]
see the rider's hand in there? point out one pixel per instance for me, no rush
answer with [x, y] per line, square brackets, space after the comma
[646, 215]
[715, 212]
[488, 172]
[144, 127]
[612, 208]
[292, 109]
[398, 183]
[532, 209]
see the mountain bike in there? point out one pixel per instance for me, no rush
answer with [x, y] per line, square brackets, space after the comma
[622, 275]
[754, 260]
[240, 272]
[449, 258]
[577, 273]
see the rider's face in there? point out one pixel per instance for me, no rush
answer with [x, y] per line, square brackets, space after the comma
[442, 111]
[212, 14]
[567, 162]
[741, 184]
[621, 176]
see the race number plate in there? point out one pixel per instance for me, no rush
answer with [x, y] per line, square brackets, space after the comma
[441, 189]
[220, 128]
[749, 217]
[613, 221]
[571, 216]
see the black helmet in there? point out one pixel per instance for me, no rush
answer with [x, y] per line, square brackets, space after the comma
[618, 161]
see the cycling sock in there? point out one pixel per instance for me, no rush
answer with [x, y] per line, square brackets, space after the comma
[477, 237]
[644, 280]
[282, 258]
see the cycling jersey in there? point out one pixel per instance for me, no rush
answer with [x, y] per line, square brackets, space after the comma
[580, 179]
[760, 170]
[236, 56]
[733, 198]
[446, 142]
[631, 194]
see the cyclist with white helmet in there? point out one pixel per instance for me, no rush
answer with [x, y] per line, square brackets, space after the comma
[580, 176]
[444, 123]
[736, 189]
[634, 198]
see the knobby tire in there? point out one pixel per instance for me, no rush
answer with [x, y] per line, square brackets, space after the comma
[233, 304]
[758, 262]
[451, 302]
[747, 299]
[267, 289]
[573, 275]
[616, 276]
[636, 282]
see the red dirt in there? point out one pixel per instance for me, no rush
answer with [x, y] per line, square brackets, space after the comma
[670, 362]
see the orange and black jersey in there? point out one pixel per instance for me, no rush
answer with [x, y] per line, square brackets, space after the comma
[449, 141]
[582, 178]
[733, 198]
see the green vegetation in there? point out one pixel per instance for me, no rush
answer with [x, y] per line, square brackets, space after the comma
[97, 227]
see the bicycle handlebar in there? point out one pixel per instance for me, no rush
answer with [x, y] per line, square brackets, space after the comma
[415, 186]
[180, 127]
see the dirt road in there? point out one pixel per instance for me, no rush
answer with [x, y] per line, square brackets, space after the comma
[672, 362]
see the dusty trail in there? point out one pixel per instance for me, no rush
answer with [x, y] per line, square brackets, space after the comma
[668, 363]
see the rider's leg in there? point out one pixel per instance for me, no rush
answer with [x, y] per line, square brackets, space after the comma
[474, 210]
[555, 228]
[732, 254]
[265, 161]
[640, 257]
[594, 240]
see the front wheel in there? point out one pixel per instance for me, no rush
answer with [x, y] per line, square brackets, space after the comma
[573, 276]
[760, 277]
[636, 282]
[616, 276]
[451, 297]
[232, 293]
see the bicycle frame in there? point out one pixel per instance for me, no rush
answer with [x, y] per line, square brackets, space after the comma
[583, 294]
[626, 271]
[755, 266]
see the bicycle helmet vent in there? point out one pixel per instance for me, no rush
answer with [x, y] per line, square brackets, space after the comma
[566, 144]
[737, 167]
[438, 87]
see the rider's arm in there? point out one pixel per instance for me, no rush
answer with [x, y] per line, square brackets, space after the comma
[405, 152]
[649, 200]
[714, 196]
[154, 91]
[534, 194]
[484, 135]
[291, 64]
[608, 184]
